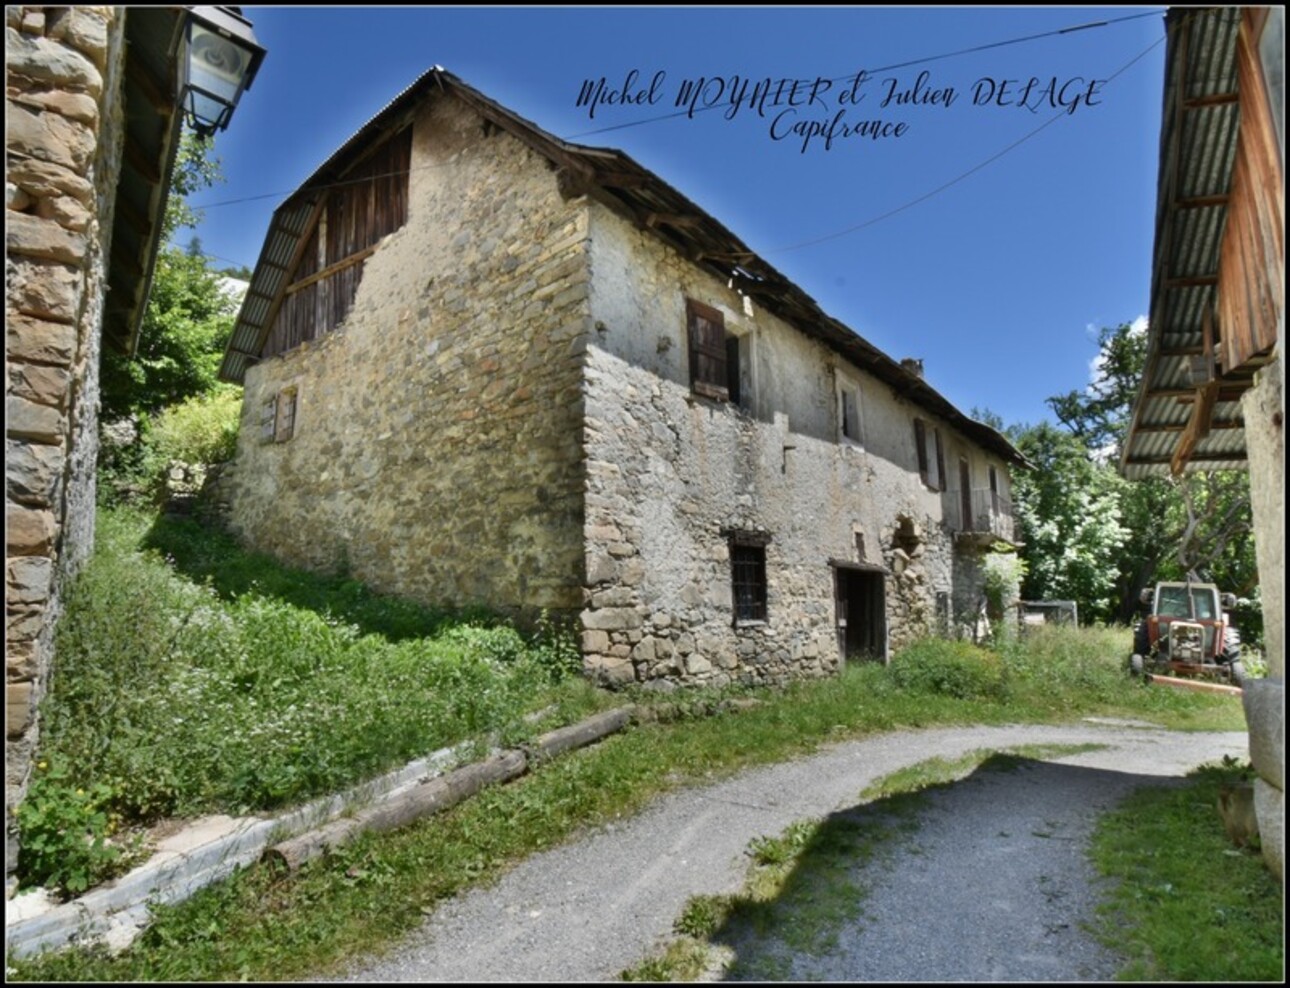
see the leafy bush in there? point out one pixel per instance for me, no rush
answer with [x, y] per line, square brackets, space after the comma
[950, 668]
[67, 831]
[200, 430]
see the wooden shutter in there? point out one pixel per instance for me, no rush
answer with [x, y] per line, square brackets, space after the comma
[920, 443]
[940, 463]
[708, 361]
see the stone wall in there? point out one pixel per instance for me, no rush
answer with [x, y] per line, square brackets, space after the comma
[671, 474]
[436, 447]
[63, 140]
[1263, 407]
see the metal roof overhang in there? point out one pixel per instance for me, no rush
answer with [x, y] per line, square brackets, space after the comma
[617, 181]
[1197, 150]
[152, 123]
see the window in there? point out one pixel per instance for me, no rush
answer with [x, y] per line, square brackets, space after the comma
[995, 503]
[286, 425]
[849, 411]
[714, 353]
[278, 417]
[748, 565]
[931, 455]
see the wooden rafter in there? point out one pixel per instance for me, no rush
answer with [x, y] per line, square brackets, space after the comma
[331, 269]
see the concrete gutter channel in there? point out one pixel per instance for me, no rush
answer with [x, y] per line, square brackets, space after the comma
[213, 847]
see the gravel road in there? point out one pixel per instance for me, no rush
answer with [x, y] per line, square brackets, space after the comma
[993, 886]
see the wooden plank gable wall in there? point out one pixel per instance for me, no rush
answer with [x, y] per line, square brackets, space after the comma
[370, 201]
[1251, 277]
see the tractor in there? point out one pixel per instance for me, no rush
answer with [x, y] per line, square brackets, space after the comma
[1187, 633]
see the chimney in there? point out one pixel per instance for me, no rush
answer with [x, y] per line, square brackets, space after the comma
[914, 365]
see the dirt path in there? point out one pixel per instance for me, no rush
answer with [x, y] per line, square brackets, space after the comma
[968, 904]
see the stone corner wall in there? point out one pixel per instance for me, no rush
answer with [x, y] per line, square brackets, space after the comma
[436, 448]
[64, 139]
[1264, 410]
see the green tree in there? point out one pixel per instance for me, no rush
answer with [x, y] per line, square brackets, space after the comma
[1070, 515]
[1200, 523]
[188, 319]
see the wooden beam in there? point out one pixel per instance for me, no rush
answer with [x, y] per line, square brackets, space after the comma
[1159, 461]
[622, 180]
[1197, 427]
[1175, 427]
[1200, 202]
[671, 219]
[151, 89]
[1214, 99]
[148, 169]
[331, 269]
[137, 221]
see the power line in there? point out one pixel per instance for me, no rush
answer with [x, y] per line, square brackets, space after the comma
[669, 116]
[954, 181]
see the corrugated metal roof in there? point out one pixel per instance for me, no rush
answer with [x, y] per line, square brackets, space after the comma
[616, 180]
[1197, 150]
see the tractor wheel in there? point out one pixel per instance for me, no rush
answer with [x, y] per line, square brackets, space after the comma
[1141, 640]
[1238, 673]
[1231, 645]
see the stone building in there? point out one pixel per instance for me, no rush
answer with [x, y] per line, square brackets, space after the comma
[1212, 391]
[486, 366]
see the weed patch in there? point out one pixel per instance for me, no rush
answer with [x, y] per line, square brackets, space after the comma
[1186, 905]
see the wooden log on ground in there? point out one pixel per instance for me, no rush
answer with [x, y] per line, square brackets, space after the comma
[425, 799]
[592, 729]
[1200, 685]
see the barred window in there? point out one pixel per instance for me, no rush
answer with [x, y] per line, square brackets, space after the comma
[748, 566]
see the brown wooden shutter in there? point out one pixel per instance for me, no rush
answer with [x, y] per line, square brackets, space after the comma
[920, 443]
[708, 362]
[940, 463]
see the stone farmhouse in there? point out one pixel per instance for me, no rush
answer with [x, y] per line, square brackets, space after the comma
[487, 366]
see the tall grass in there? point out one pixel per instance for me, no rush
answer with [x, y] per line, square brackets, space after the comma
[170, 699]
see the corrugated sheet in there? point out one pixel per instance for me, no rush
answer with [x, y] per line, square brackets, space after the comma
[1198, 147]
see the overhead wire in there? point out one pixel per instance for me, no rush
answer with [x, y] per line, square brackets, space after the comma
[958, 178]
[832, 236]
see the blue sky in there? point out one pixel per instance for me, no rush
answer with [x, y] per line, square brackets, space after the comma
[999, 282]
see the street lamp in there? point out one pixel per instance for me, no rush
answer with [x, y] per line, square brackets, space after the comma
[223, 57]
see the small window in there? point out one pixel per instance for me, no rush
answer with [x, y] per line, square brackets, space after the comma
[931, 455]
[748, 563]
[849, 411]
[286, 421]
[714, 353]
[278, 417]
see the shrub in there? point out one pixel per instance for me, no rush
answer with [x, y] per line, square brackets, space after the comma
[171, 699]
[201, 429]
[950, 668]
[67, 831]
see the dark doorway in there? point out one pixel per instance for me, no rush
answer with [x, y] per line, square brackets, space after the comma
[861, 613]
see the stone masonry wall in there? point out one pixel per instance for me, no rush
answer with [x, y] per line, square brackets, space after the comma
[436, 452]
[670, 473]
[63, 140]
